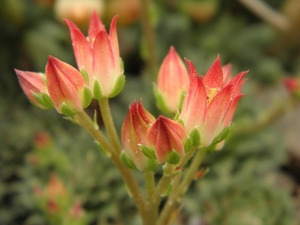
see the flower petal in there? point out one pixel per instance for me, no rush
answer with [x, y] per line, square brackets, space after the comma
[214, 76]
[215, 114]
[113, 37]
[95, 27]
[82, 50]
[103, 63]
[194, 105]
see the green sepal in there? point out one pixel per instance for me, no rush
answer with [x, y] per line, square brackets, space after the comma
[121, 65]
[127, 161]
[182, 96]
[118, 86]
[151, 164]
[188, 144]
[174, 158]
[195, 137]
[160, 101]
[97, 93]
[148, 152]
[85, 75]
[87, 97]
[103, 150]
[67, 110]
[176, 117]
[44, 100]
[224, 134]
[167, 191]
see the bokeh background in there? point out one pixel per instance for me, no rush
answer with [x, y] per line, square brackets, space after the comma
[254, 180]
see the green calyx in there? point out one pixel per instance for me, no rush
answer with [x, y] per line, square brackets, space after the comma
[160, 102]
[148, 152]
[44, 100]
[85, 75]
[195, 137]
[223, 135]
[97, 93]
[188, 144]
[67, 110]
[174, 157]
[87, 97]
[118, 86]
[127, 161]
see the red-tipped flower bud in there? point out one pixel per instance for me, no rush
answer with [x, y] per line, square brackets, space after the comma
[134, 135]
[210, 102]
[98, 57]
[167, 137]
[35, 88]
[172, 82]
[67, 88]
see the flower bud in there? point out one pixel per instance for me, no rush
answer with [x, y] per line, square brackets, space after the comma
[134, 135]
[98, 56]
[167, 137]
[293, 86]
[35, 88]
[210, 102]
[67, 88]
[172, 83]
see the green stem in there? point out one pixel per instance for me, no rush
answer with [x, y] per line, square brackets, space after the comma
[148, 31]
[85, 121]
[150, 187]
[176, 196]
[166, 180]
[109, 124]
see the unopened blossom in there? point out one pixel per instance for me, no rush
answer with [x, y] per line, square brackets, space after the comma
[210, 102]
[168, 138]
[293, 85]
[134, 134]
[67, 88]
[172, 82]
[98, 57]
[35, 88]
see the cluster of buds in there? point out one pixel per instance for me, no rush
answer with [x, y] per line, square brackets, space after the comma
[203, 105]
[70, 90]
[56, 200]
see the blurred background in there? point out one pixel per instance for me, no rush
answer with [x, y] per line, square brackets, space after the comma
[51, 171]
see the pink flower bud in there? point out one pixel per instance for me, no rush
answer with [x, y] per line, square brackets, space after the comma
[168, 137]
[67, 88]
[172, 83]
[56, 190]
[98, 56]
[293, 85]
[210, 102]
[134, 134]
[35, 88]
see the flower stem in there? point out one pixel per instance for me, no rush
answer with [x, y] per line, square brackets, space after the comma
[109, 124]
[175, 197]
[85, 121]
[150, 187]
[166, 180]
